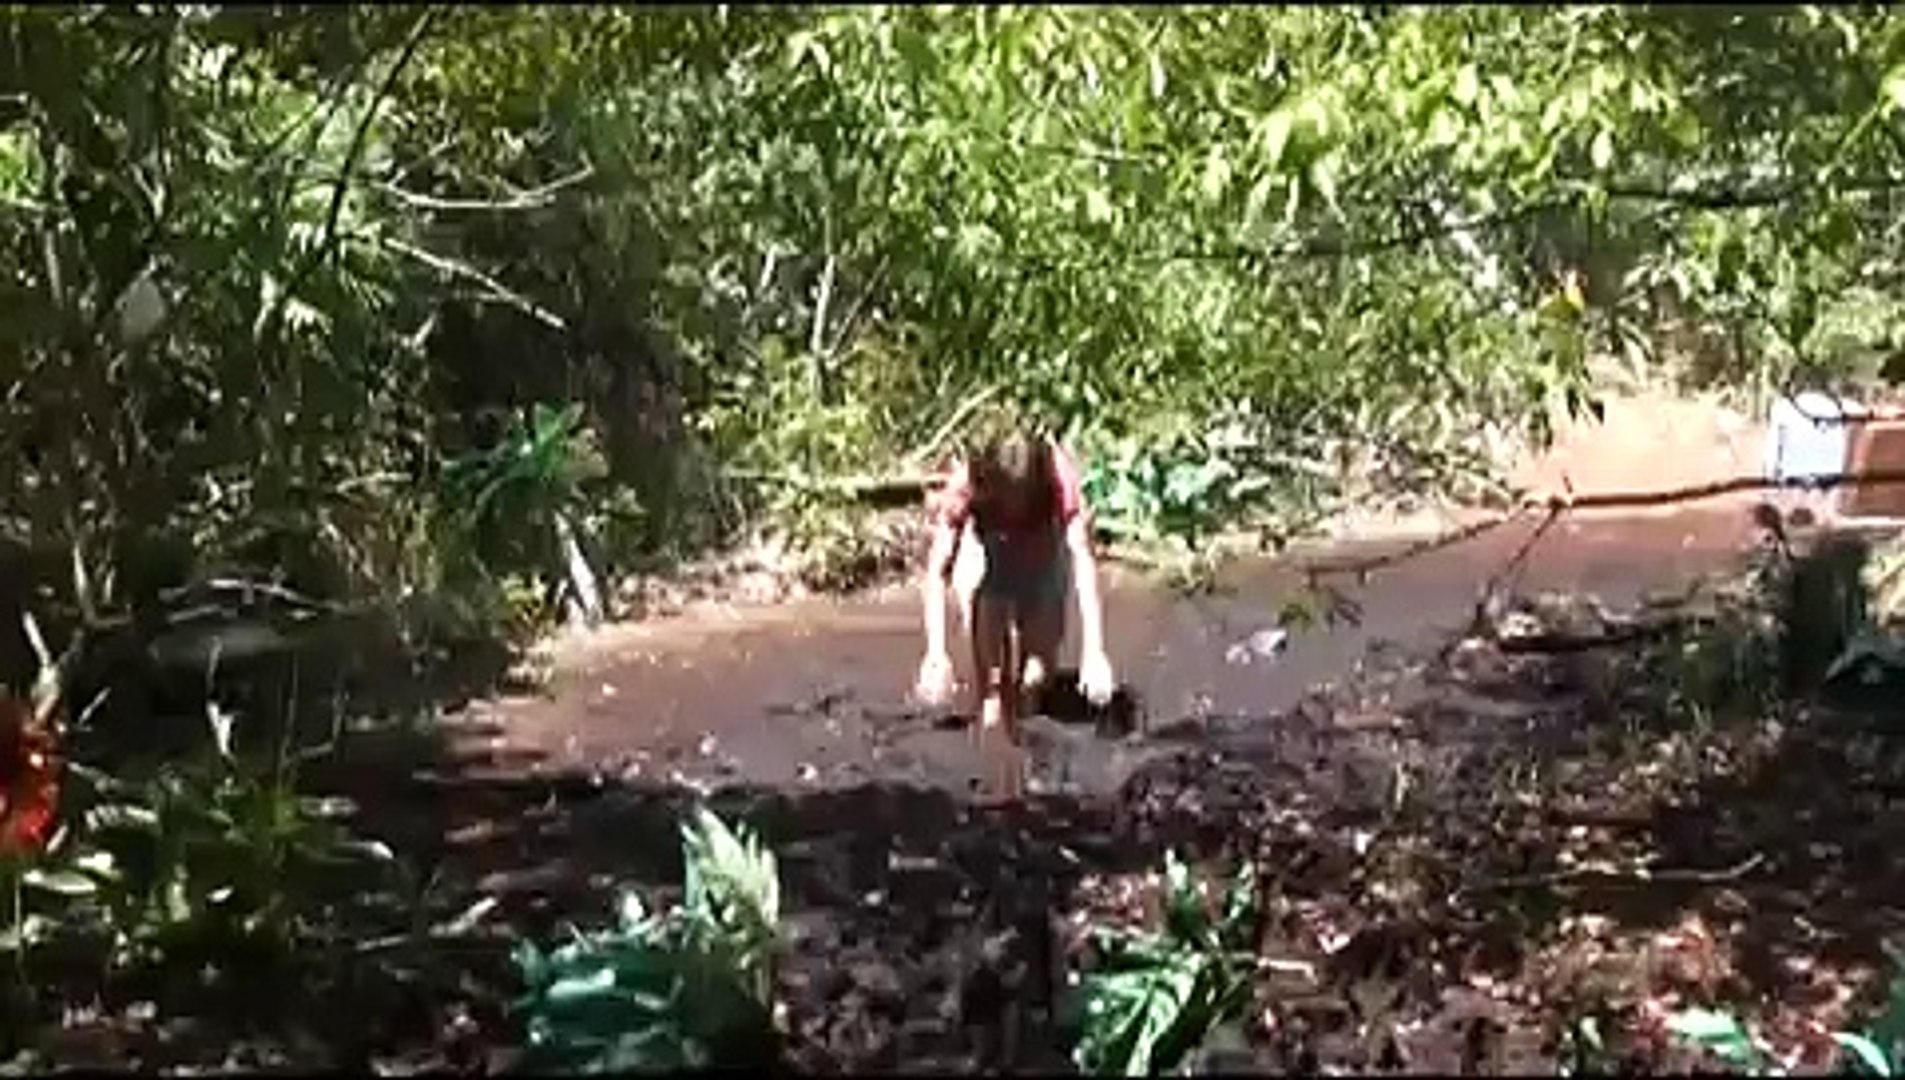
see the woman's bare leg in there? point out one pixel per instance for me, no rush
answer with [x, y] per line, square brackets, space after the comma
[996, 695]
[991, 644]
[1042, 625]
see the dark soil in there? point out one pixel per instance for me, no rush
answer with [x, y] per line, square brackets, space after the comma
[1465, 849]
[1464, 853]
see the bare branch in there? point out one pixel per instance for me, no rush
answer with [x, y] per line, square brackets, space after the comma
[966, 408]
[816, 338]
[1634, 875]
[1714, 198]
[359, 139]
[452, 267]
[528, 200]
[1554, 505]
[852, 318]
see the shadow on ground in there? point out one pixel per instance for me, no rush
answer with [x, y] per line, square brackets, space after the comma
[1462, 865]
[922, 932]
[1463, 852]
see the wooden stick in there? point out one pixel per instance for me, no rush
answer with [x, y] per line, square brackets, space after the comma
[1638, 875]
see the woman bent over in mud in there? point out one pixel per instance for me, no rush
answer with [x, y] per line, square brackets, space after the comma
[1012, 535]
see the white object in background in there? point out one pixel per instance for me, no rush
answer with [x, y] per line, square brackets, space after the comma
[585, 594]
[1264, 643]
[1806, 436]
[142, 310]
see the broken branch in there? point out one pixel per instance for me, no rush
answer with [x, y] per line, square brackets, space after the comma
[532, 199]
[1606, 500]
[494, 288]
[1639, 875]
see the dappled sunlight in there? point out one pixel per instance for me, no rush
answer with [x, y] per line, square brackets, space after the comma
[464, 529]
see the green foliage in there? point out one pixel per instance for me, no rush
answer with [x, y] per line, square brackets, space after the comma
[511, 500]
[1878, 1051]
[1309, 224]
[1157, 997]
[198, 880]
[1721, 1035]
[1172, 485]
[689, 988]
[270, 272]
[213, 861]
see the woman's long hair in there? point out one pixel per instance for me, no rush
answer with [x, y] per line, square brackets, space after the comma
[1013, 468]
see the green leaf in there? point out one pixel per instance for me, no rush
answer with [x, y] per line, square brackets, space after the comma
[1240, 908]
[571, 988]
[1276, 138]
[122, 816]
[357, 848]
[69, 883]
[1704, 1025]
[1717, 1032]
[1216, 175]
[1601, 152]
[1468, 85]
[1185, 917]
[1323, 176]
[1892, 91]
[1258, 198]
[1866, 1051]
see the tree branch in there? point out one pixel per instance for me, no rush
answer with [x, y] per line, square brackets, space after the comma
[971, 404]
[852, 317]
[1337, 247]
[1347, 246]
[529, 200]
[452, 267]
[1606, 500]
[360, 138]
[1727, 198]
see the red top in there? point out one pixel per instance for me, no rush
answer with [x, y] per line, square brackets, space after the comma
[953, 504]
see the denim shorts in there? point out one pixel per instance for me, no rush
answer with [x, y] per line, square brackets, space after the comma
[981, 569]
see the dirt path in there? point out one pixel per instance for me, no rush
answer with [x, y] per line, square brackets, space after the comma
[927, 935]
[813, 693]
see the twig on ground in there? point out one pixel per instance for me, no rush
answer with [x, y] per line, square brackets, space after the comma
[1639, 875]
[1510, 572]
[1287, 967]
[1549, 643]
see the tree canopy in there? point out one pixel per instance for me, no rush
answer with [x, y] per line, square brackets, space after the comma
[272, 272]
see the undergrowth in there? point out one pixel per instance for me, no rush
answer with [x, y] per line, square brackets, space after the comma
[691, 987]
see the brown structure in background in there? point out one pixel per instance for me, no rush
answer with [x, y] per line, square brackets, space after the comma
[1874, 445]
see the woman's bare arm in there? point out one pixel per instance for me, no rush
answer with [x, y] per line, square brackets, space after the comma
[1091, 612]
[939, 559]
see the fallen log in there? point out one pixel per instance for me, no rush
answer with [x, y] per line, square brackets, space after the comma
[879, 492]
[1556, 642]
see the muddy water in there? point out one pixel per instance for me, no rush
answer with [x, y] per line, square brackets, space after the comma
[814, 693]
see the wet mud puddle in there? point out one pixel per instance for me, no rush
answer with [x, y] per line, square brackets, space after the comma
[813, 694]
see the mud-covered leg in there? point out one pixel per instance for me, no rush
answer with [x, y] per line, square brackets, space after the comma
[996, 695]
[1041, 624]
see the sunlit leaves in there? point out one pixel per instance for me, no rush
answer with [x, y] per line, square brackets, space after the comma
[1318, 223]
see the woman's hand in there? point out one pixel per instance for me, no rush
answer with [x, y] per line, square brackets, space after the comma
[1096, 679]
[935, 684]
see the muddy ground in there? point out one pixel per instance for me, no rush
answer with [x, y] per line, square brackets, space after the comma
[1466, 849]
